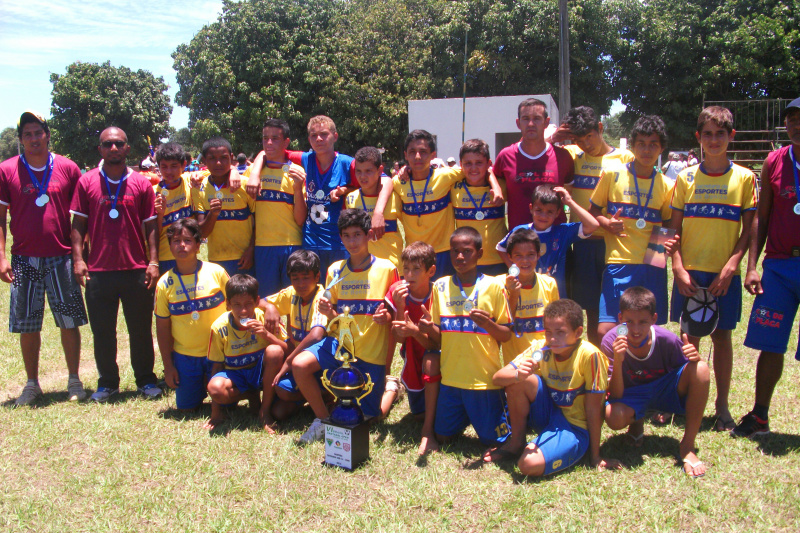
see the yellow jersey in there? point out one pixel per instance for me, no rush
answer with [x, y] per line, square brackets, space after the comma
[178, 201]
[234, 345]
[528, 321]
[471, 208]
[233, 229]
[274, 209]
[390, 246]
[427, 214]
[301, 319]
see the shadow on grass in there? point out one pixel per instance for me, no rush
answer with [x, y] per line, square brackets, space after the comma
[778, 444]
[405, 432]
[679, 421]
[57, 397]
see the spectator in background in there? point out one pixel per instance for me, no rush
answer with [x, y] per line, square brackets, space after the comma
[242, 163]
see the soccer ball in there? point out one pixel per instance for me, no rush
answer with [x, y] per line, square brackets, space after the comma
[319, 214]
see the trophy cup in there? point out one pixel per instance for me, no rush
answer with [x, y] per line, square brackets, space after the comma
[346, 430]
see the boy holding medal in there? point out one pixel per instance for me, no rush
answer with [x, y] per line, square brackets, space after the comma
[189, 298]
[359, 283]
[173, 198]
[637, 198]
[244, 355]
[713, 207]
[558, 387]
[225, 214]
[469, 319]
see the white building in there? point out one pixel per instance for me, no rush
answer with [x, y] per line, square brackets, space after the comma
[492, 119]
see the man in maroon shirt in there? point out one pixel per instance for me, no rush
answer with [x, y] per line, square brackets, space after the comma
[111, 205]
[36, 188]
[532, 162]
[778, 290]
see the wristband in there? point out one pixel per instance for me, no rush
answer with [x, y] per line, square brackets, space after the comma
[154, 263]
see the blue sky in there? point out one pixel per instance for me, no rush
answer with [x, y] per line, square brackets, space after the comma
[39, 37]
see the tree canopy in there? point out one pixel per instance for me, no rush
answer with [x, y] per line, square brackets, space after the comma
[8, 143]
[91, 97]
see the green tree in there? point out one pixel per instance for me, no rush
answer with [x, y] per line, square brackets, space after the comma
[613, 129]
[8, 143]
[91, 97]
[184, 137]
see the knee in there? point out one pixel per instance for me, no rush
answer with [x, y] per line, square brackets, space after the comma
[273, 355]
[616, 418]
[217, 387]
[303, 363]
[701, 372]
[532, 462]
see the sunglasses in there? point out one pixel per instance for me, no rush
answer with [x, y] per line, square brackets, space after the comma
[109, 144]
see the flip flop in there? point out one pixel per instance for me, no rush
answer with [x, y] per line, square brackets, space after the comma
[724, 424]
[692, 466]
[634, 440]
[500, 455]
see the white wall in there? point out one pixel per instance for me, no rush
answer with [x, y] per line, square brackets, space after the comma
[485, 118]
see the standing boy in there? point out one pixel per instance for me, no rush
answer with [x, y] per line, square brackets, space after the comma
[713, 207]
[173, 198]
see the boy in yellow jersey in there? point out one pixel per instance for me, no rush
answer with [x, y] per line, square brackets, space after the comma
[558, 386]
[359, 283]
[635, 198]
[280, 209]
[527, 292]
[591, 154]
[469, 320]
[369, 168]
[173, 198]
[713, 207]
[472, 207]
[225, 214]
[189, 298]
[427, 213]
[299, 303]
[244, 355]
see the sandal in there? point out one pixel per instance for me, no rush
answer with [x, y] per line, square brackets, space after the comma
[634, 440]
[692, 465]
[724, 423]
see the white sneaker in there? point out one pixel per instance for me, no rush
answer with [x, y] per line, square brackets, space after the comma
[30, 393]
[150, 391]
[314, 433]
[103, 394]
[75, 390]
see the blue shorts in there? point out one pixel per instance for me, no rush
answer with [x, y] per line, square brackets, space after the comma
[492, 270]
[326, 259]
[244, 379]
[617, 278]
[271, 268]
[232, 267]
[443, 265]
[773, 311]
[659, 395]
[484, 409]
[164, 266]
[562, 444]
[730, 305]
[586, 275]
[193, 373]
[416, 401]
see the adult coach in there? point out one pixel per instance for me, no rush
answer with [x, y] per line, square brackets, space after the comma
[37, 187]
[532, 162]
[111, 205]
[778, 291]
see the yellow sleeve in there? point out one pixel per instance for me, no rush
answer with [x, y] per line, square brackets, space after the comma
[162, 303]
[350, 199]
[282, 300]
[679, 192]
[600, 195]
[552, 293]
[398, 189]
[329, 278]
[594, 369]
[749, 192]
[666, 210]
[216, 348]
[435, 318]
[199, 202]
[451, 176]
[502, 313]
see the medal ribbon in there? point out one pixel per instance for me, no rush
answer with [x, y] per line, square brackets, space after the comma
[307, 321]
[475, 291]
[48, 172]
[339, 278]
[649, 193]
[796, 177]
[424, 193]
[471, 199]
[185, 292]
[115, 197]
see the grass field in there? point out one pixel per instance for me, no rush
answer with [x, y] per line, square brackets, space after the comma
[135, 465]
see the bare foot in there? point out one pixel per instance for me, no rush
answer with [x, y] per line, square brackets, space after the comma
[266, 420]
[506, 452]
[693, 466]
[427, 445]
[212, 423]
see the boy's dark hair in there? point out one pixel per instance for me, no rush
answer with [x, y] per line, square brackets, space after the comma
[241, 159]
[189, 224]
[649, 125]
[216, 142]
[187, 157]
[420, 135]
[277, 123]
[546, 195]
[474, 146]
[566, 309]
[241, 284]
[530, 102]
[170, 152]
[354, 217]
[369, 154]
[637, 299]
[469, 233]
[581, 121]
[301, 262]
[523, 235]
[721, 116]
[419, 252]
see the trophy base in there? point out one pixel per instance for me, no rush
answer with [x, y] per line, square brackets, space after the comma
[346, 447]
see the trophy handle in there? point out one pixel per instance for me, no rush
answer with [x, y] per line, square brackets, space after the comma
[325, 382]
[367, 387]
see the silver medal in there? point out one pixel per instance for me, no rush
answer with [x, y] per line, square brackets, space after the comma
[513, 270]
[469, 306]
[480, 215]
[796, 208]
[640, 223]
[195, 315]
[42, 200]
[244, 321]
[537, 356]
[219, 195]
[113, 213]
[286, 167]
[327, 294]
[164, 192]
[622, 330]
[320, 194]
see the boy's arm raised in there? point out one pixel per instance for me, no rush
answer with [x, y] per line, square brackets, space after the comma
[253, 186]
[378, 222]
[590, 224]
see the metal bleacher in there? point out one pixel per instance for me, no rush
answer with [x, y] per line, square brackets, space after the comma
[759, 129]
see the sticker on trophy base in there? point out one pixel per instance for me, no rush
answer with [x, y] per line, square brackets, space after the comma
[346, 446]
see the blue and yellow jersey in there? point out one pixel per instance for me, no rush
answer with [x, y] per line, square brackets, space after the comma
[585, 371]
[617, 190]
[527, 323]
[390, 246]
[178, 202]
[712, 208]
[363, 291]
[427, 214]
[587, 175]
[190, 337]
[274, 211]
[470, 356]
[232, 344]
[233, 229]
[300, 318]
[468, 202]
